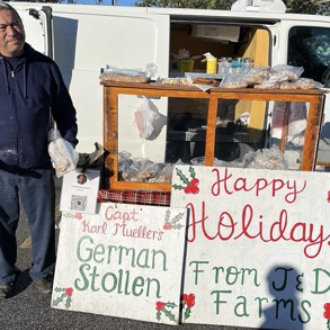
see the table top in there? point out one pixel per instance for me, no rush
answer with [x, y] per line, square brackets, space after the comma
[152, 85]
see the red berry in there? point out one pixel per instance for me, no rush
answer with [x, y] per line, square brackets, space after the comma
[326, 313]
[187, 190]
[68, 292]
[191, 300]
[78, 216]
[184, 297]
[194, 182]
[167, 226]
[194, 190]
[159, 305]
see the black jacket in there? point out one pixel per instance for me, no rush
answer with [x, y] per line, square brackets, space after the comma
[30, 96]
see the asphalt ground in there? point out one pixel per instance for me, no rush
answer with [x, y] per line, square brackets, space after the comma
[27, 309]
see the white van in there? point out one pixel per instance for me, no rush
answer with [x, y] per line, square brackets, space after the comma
[83, 38]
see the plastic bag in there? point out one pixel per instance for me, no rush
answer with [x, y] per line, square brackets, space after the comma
[296, 121]
[283, 72]
[272, 159]
[232, 80]
[131, 75]
[266, 84]
[146, 115]
[257, 75]
[127, 75]
[63, 156]
[139, 169]
[306, 83]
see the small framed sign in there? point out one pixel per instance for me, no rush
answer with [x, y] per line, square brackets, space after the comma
[79, 191]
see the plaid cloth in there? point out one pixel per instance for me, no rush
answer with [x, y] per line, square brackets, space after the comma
[134, 197]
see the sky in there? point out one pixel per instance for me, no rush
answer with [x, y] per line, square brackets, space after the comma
[108, 2]
[125, 2]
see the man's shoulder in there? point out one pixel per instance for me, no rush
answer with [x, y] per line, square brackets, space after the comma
[35, 56]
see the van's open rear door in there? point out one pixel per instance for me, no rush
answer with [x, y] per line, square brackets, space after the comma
[38, 31]
[88, 37]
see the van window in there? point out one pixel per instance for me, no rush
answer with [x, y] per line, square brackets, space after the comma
[310, 47]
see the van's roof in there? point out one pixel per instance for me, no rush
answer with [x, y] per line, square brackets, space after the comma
[257, 16]
[176, 13]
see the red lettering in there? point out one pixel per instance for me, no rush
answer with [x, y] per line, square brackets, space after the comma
[216, 187]
[261, 184]
[278, 184]
[231, 226]
[295, 192]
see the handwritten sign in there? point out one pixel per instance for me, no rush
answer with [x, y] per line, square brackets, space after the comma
[125, 261]
[258, 247]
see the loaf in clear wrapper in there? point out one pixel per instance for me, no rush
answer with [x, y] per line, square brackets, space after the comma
[62, 154]
[233, 80]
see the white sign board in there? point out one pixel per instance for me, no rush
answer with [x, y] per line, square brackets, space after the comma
[125, 261]
[258, 251]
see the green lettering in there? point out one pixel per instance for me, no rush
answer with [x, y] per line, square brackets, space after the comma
[163, 260]
[137, 286]
[89, 251]
[149, 281]
[99, 250]
[109, 252]
[317, 289]
[83, 278]
[127, 251]
[113, 279]
[243, 305]
[249, 271]
[216, 275]
[197, 270]
[232, 271]
[127, 277]
[142, 258]
[217, 298]
[94, 275]
[260, 305]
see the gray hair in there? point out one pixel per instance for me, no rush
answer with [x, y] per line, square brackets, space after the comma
[5, 5]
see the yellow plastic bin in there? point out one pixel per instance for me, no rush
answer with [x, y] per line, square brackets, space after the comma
[186, 65]
[211, 66]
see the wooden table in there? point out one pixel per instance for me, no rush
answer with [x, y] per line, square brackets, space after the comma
[112, 89]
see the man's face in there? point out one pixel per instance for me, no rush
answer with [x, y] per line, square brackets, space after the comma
[12, 35]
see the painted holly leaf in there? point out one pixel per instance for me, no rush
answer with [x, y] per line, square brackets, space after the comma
[169, 315]
[59, 299]
[59, 289]
[171, 305]
[177, 187]
[158, 315]
[177, 218]
[182, 177]
[68, 302]
[192, 172]
[167, 215]
[187, 313]
[178, 226]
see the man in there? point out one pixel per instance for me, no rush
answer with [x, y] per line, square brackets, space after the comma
[32, 92]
